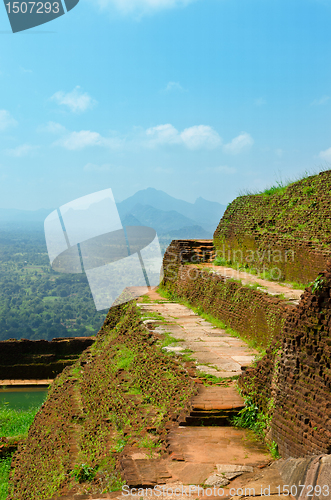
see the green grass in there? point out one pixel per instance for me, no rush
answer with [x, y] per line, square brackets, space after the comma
[280, 186]
[266, 275]
[145, 299]
[4, 475]
[124, 358]
[16, 423]
[207, 377]
[251, 418]
[169, 340]
[13, 424]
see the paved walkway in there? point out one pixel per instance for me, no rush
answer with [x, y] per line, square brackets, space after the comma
[204, 449]
[216, 352]
[270, 287]
[230, 462]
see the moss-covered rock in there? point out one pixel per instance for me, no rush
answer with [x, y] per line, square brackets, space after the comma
[285, 230]
[121, 392]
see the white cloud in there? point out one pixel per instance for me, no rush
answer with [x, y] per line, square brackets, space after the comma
[75, 141]
[173, 86]
[325, 155]
[52, 128]
[140, 7]
[162, 134]
[200, 136]
[239, 143]
[321, 101]
[6, 120]
[76, 100]
[92, 167]
[279, 152]
[22, 150]
[80, 140]
[196, 137]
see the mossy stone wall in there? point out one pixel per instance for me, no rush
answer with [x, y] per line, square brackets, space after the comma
[122, 390]
[293, 381]
[287, 233]
[255, 314]
[39, 359]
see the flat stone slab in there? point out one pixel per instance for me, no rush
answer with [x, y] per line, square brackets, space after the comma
[215, 352]
[217, 398]
[17, 383]
[225, 468]
[270, 287]
[216, 445]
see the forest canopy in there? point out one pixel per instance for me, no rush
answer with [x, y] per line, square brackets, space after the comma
[35, 301]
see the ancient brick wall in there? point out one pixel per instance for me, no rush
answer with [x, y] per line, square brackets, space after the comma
[40, 359]
[287, 233]
[293, 381]
[120, 397]
[186, 251]
[255, 314]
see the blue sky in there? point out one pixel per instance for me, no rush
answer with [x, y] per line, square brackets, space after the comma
[197, 98]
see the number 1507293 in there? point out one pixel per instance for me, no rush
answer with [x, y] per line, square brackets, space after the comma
[33, 7]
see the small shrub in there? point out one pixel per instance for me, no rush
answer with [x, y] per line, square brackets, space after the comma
[318, 284]
[273, 448]
[83, 473]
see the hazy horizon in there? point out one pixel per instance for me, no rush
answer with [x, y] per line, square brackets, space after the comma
[196, 98]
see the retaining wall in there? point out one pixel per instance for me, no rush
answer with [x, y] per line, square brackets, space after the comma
[39, 359]
[225, 299]
[287, 232]
[119, 398]
[293, 381]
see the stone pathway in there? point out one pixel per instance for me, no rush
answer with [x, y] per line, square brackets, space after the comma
[216, 352]
[204, 449]
[270, 287]
[205, 459]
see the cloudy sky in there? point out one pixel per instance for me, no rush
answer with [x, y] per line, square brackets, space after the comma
[194, 97]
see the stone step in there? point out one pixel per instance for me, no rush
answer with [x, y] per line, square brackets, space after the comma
[213, 405]
[144, 473]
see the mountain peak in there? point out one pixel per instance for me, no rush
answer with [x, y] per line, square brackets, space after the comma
[202, 211]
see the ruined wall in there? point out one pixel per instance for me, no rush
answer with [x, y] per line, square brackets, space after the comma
[39, 359]
[253, 313]
[287, 231]
[293, 381]
[122, 394]
[186, 251]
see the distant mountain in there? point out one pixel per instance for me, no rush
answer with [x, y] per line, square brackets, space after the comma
[169, 216]
[14, 215]
[190, 232]
[202, 211]
[130, 220]
[160, 220]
